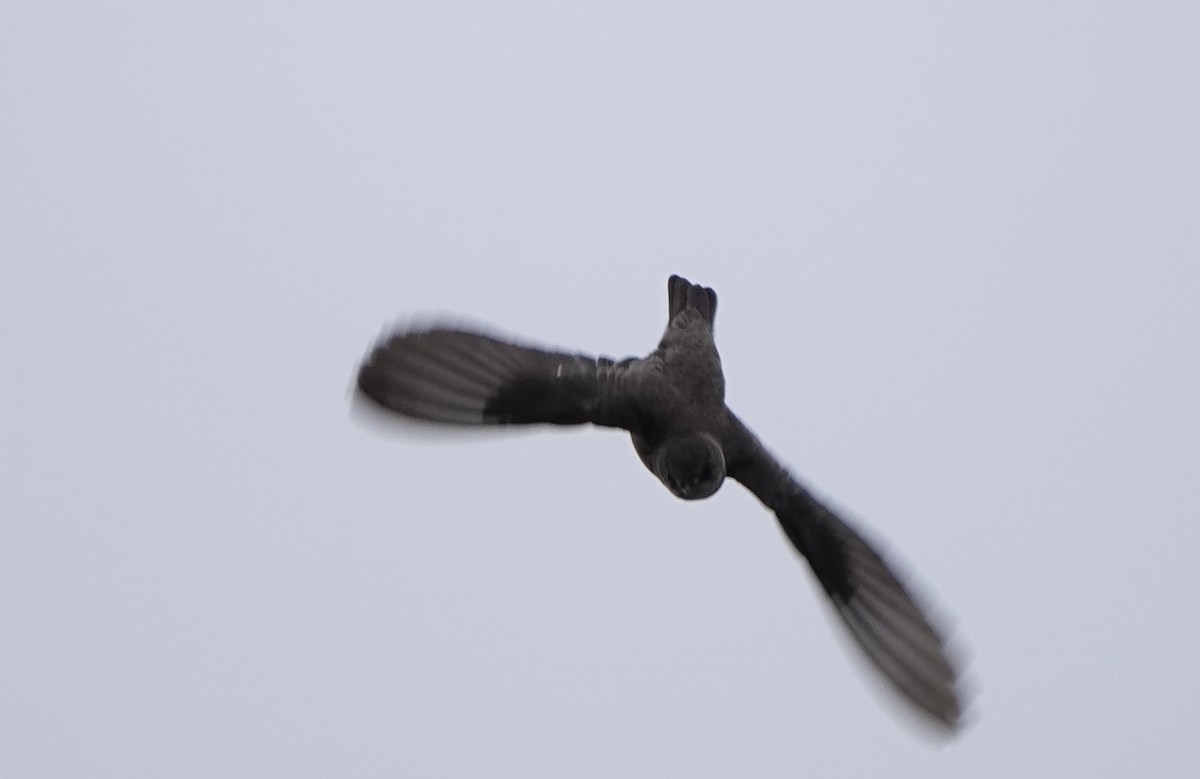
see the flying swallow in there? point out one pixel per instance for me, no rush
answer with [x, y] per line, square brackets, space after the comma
[672, 402]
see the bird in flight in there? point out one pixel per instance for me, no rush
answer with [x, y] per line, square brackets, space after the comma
[672, 402]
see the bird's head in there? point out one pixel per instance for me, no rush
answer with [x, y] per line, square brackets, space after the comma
[691, 465]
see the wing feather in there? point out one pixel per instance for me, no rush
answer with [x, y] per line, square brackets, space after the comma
[887, 621]
[469, 378]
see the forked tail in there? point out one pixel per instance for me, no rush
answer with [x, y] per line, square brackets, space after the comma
[683, 294]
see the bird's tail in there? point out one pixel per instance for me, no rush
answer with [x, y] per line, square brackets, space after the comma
[683, 294]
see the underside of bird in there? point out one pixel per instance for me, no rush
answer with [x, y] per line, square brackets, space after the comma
[672, 403]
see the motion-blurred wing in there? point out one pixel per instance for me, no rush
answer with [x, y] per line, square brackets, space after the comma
[467, 378]
[887, 622]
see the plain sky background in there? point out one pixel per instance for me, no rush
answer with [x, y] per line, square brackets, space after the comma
[958, 253]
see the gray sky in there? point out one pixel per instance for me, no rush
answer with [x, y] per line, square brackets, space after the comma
[958, 255]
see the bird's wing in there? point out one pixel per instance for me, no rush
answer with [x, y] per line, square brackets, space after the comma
[468, 378]
[878, 609]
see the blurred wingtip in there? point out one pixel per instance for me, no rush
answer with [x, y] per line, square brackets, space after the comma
[911, 646]
[368, 414]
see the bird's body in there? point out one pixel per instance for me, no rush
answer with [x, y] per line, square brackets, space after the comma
[672, 402]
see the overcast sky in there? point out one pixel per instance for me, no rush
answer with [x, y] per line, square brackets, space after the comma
[958, 254]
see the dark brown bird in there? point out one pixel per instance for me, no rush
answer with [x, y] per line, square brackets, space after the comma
[673, 404]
